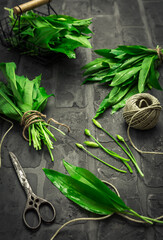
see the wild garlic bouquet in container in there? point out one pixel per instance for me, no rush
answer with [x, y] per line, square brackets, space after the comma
[36, 34]
[24, 100]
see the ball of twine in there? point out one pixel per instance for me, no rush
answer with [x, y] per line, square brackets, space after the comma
[141, 112]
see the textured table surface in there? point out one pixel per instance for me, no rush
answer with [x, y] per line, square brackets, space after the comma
[115, 22]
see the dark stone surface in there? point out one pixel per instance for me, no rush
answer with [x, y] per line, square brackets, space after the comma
[114, 22]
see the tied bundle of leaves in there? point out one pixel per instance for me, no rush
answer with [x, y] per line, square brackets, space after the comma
[53, 33]
[86, 190]
[128, 70]
[23, 99]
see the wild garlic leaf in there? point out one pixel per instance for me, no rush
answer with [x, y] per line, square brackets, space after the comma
[7, 107]
[9, 72]
[86, 190]
[122, 102]
[136, 50]
[78, 192]
[153, 77]
[114, 96]
[124, 75]
[104, 52]
[145, 68]
[133, 60]
[85, 176]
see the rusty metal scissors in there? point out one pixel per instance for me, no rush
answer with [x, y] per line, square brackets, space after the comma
[34, 203]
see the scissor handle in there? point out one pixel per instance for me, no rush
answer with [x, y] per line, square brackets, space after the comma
[33, 204]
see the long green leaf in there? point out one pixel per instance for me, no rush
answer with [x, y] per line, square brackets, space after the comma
[85, 189]
[8, 70]
[80, 193]
[124, 75]
[145, 68]
[154, 77]
[85, 176]
[7, 107]
[122, 102]
[115, 95]
[131, 61]
[137, 49]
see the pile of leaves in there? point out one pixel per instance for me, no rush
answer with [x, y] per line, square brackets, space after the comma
[127, 69]
[20, 95]
[54, 33]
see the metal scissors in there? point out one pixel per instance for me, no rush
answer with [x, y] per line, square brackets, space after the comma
[33, 201]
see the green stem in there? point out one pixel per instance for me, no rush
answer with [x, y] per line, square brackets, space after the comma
[108, 151]
[141, 217]
[114, 155]
[129, 154]
[56, 129]
[134, 160]
[29, 134]
[119, 170]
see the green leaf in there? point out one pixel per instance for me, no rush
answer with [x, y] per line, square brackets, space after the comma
[122, 102]
[145, 68]
[136, 50]
[92, 63]
[78, 192]
[115, 95]
[41, 99]
[154, 77]
[124, 75]
[131, 61]
[8, 70]
[103, 52]
[86, 190]
[7, 107]
[81, 39]
[85, 176]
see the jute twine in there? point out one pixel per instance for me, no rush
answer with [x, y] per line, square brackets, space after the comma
[141, 112]
[34, 116]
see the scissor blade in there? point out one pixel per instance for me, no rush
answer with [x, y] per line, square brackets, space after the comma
[20, 173]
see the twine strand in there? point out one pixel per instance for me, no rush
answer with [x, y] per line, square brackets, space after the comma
[8, 130]
[160, 54]
[61, 124]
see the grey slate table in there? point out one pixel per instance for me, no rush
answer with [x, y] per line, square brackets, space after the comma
[115, 22]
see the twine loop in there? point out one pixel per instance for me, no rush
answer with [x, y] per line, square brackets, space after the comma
[29, 118]
[34, 116]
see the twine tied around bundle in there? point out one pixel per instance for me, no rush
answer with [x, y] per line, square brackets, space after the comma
[141, 112]
[34, 116]
[159, 53]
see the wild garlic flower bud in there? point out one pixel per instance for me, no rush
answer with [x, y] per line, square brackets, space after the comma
[79, 145]
[87, 132]
[91, 144]
[96, 123]
[120, 138]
